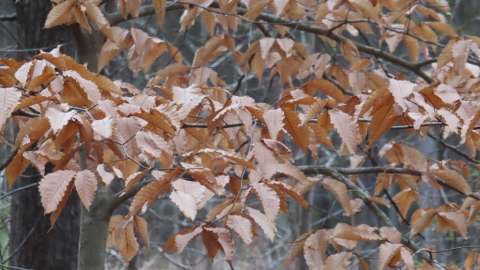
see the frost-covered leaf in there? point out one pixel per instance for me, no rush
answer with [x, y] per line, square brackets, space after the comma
[58, 119]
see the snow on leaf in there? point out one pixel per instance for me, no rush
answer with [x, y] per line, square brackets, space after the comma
[23, 72]
[107, 177]
[268, 226]
[452, 121]
[347, 128]
[447, 93]
[265, 46]
[152, 144]
[89, 87]
[269, 199]
[58, 119]
[242, 226]
[9, 98]
[103, 127]
[86, 186]
[280, 6]
[178, 242]
[52, 188]
[400, 91]
[185, 202]
[274, 121]
[190, 196]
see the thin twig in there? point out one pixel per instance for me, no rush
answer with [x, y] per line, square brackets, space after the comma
[453, 148]
[13, 191]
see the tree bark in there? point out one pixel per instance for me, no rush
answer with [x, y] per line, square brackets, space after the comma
[33, 243]
[93, 232]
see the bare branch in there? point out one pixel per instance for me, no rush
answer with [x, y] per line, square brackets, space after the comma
[301, 26]
[8, 17]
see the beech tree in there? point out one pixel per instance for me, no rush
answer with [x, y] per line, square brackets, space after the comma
[191, 134]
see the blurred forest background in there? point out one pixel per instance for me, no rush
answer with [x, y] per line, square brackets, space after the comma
[21, 36]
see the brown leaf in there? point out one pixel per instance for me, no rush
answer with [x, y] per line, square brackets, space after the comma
[325, 87]
[456, 220]
[255, 8]
[242, 226]
[190, 196]
[86, 186]
[453, 179]
[358, 233]
[404, 200]
[347, 128]
[150, 192]
[178, 242]
[267, 225]
[299, 133]
[340, 192]
[9, 99]
[422, 219]
[387, 254]
[58, 119]
[225, 240]
[269, 199]
[60, 14]
[210, 241]
[15, 168]
[274, 120]
[315, 248]
[52, 188]
[131, 247]
[141, 227]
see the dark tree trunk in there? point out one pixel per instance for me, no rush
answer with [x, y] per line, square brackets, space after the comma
[33, 244]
